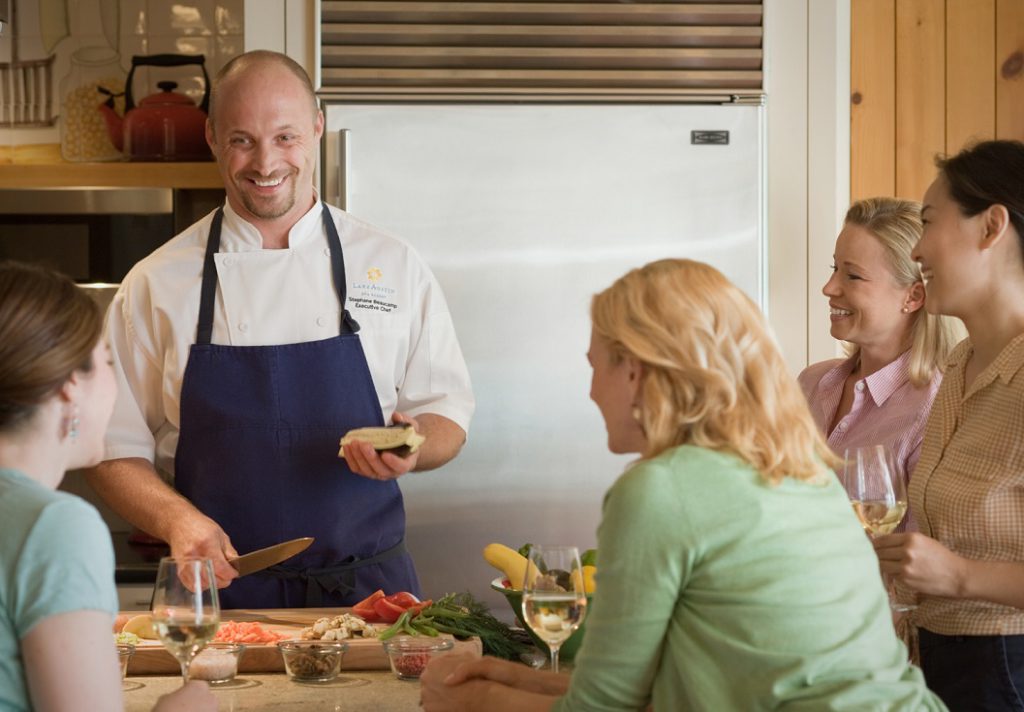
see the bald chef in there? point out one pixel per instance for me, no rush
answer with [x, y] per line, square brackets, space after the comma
[249, 343]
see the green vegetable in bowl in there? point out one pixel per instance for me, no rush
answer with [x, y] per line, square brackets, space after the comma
[462, 616]
[524, 550]
[589, 558]
[126, 639]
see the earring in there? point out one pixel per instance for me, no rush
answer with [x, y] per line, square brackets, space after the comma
[636, 413]
[73, 424]
[905, 310]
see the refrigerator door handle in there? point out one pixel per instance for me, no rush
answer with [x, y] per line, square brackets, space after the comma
[342, 199]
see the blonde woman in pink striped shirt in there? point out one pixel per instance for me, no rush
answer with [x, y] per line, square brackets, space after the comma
[882, 392]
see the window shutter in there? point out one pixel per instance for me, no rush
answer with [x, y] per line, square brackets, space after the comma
[536, 48]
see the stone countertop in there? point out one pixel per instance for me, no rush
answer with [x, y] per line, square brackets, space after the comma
[352, 691]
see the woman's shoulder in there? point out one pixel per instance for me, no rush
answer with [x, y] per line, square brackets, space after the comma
[812, 375]
[30, 510]
[686, 467]
[43, 527]
[24, 499]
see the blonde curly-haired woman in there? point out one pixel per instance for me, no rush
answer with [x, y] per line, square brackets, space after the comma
[733, 574]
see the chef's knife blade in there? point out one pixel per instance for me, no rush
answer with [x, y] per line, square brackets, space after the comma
[262, 558]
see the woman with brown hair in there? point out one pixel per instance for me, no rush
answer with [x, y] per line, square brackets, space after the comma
[881, 393]
[57, 597]
[967, 492]
[733, 574]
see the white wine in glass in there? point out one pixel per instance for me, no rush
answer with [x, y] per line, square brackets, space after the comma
[186, 613]
[554, 598]
[878, 496]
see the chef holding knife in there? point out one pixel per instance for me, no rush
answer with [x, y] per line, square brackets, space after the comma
[248, 344]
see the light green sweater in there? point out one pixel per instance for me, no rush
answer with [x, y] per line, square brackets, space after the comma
[717, 591]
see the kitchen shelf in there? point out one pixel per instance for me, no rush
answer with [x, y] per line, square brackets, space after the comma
[64, 174]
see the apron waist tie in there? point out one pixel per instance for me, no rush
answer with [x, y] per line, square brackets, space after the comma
[340, 578]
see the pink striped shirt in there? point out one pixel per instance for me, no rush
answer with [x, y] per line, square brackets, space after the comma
[887, 410]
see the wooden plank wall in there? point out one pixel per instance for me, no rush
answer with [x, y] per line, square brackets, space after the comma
[928, 77]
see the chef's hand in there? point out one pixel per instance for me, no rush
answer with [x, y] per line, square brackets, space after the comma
[922, 563]
[199, 536]
[363, 460]
[193, 697]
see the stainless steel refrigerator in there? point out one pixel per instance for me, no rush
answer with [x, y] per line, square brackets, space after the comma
[524, 211]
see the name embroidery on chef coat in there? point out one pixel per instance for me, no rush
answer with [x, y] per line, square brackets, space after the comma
[371, 295]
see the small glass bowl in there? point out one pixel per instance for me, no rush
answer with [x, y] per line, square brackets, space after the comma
[124, 654]
[217, 663]
[312, 660]
[409, 655]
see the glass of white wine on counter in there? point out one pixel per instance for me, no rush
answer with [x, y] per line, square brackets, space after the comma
[879, 499]
[554, 598]
[186, 613]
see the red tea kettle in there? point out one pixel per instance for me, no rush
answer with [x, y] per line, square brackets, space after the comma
[166, 126]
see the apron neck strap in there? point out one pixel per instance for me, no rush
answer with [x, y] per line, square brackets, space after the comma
[208, 295]
[204, 332]
[348, 324]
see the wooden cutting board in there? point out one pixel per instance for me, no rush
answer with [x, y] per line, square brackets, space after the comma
[151, 658]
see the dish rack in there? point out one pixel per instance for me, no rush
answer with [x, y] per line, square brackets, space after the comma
[26, 86]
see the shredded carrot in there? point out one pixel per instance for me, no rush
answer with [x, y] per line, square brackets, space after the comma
[246, 632]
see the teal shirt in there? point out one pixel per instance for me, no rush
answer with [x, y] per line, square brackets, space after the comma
[55, 557]
[718, 591]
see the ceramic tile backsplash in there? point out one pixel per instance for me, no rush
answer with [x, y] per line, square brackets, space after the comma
[58, 28]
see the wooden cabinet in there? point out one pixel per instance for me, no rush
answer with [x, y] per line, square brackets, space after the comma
[61, 174]
[929, 77]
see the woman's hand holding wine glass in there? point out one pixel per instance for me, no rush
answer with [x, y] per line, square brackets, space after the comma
[879, 499]
[554, 599]
[186, 613]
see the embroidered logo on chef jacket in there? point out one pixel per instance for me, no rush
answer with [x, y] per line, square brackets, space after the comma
[372, 295]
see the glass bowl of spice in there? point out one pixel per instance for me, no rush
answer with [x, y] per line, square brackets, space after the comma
[312, 660]
[217, 663]
[409, 655]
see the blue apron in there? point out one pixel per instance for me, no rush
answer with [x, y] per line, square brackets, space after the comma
[258, 454]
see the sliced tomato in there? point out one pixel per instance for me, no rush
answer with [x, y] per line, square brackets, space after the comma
[364, 609]
[387, 611]
[368, 601]
[403, 599]
[367, 613]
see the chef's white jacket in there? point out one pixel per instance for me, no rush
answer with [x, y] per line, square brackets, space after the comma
[273, 297]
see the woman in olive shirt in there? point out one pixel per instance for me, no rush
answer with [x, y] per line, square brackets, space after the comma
[967, 492]
[732, 573]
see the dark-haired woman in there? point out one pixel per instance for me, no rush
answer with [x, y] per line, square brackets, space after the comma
[57, 597]
[967, 492]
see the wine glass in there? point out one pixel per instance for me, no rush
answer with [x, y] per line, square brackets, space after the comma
[554, 599]
[879, 498]
[186, 612]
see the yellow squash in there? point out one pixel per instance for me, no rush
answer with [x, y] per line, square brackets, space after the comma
[509, 561]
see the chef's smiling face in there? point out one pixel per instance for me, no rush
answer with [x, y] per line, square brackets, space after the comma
[865, 301]
[265, 139]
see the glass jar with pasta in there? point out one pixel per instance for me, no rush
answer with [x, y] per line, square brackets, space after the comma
[94, 86]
